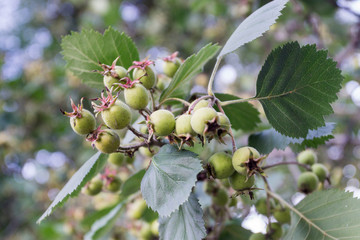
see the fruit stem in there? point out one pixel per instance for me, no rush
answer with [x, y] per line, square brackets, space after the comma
[288, 163]
[218, 103]
[152, 100]
[186, 103]
[225, 103]
[268, 209]
[137, 133]
[212, 77]
[193, 104]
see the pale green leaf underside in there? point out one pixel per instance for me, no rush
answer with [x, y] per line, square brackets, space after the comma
[296, 86]
[87, 171]
[186, 223]
[270, 139]
[192, 66]
[168, 181]
[105, 223]
[254, 26]
[85, 50]
[331, 214]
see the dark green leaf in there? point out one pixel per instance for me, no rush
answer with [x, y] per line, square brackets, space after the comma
[242, 116]
[105, 223]
[168, 181]
[186, 223]
[132, 184]
[331, 214]
[296, 86]
[76, 182]
[234, 231]
[269, 139]
[192, 66]
[83, 51]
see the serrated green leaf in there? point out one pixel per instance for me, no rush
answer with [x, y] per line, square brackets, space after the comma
[186, 223]
[192, 66]
[83, 51]
[254, 26]
[270, 139]
[331, 214]
[132, 184]
[296, 86]
[234, 231]
[168, 182]
[242, 116]
[87, 171]
[105, 223]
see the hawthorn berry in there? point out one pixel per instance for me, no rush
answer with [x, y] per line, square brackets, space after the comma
[117, 116]
[201, 118]
[220, 165]
[136, 97]
[113, 183]
[220, 198]
[307, 182]
[163, 122]
[201, 104]
[241, 182]
[137, 209]
[144, 73]
[116, 159]
[307, 157]
[93, 187]
[233, 202]
[242, 156]
[183, 126]
[146, 152]
[320, 171]
[155, 228]
[224, 121]
[257, 236]
[282, 215]
[275, 231]
[261, 206]
[107, 141]
[171, 64]
[110, 80]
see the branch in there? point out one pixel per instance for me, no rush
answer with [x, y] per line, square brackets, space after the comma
[288, 163]
[186, 103]
[137, 133]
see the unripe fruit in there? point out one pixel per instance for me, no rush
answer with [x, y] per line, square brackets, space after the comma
[233, 202]
[155, 228]
[282, 215]
[200, 118]
[238, 181]
[257, 236]
[144, 129]
[307, 157]
[109, 80]
[129, 160]
[85, 124]
[221, 165]
[307, 182]
[163, 122]
[107, 142]
[210, 187]
[223, 121]
[201, 104]
[147, 77]
[162, 82]
[220, 198]
[183, 125]
[147, 153]
[136, 97]
[241, 156]
[320, 170]
[137, 209]
[261, 206]
[145, 232]
[225, 182]
[93, 187]
[276, 231]
[118, 116]
[114, 184]
[116, 158]
[170, 67]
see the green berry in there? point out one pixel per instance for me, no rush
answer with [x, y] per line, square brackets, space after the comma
[137, 209]
[257, 236]
[238, 181]
[200, 118]
[320, 170]
[307, 157]
[116, 158]
[307, 182]
[221, 165]
[118, 116]
[129, 160]
[144, 129]
[224, 121]
[85, 124]
[220, 198]
[163, 122]
[136, 97]
[201, 104]
[210, 187]
[145, 232]
[233, 202]
[93, 187]
[170, 67]
[162, 82]
[155, 228]
[282, 215]
[276, 231]
[241, 156]
[107, 142]
[147, 153]
[109, 80]
[183, 125]
[147, 77]
[114, 184]
[261, 206]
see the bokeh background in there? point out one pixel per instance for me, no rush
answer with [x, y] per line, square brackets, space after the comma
[38, 150]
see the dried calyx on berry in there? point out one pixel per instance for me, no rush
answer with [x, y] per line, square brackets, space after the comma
[82, 121]
[144, 73]
[112, 182]
[113, 75]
